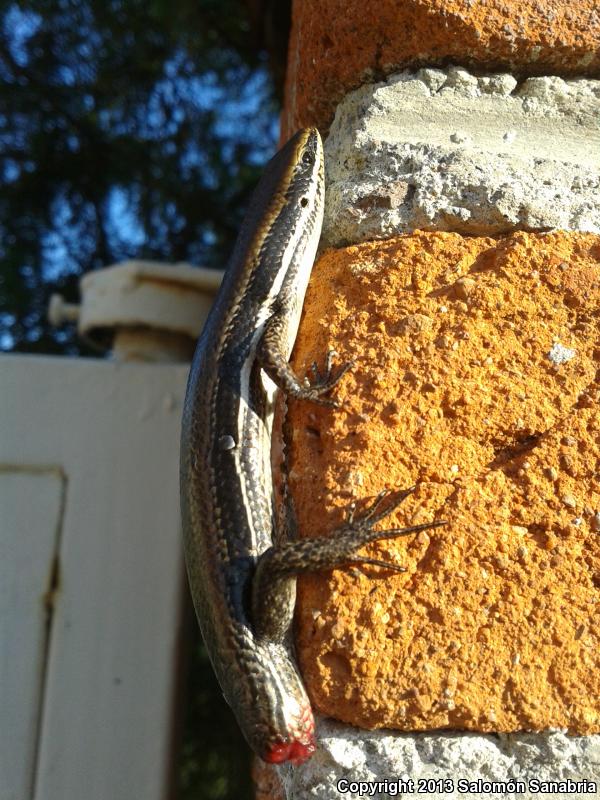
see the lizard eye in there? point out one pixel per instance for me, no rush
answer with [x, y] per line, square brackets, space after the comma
[307, 158]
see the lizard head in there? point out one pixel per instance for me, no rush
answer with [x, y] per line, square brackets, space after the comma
[298, 747]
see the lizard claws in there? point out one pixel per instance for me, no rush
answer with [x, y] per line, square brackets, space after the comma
[324, 382]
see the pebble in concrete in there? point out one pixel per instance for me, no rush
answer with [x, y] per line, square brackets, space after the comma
[447, 150]
[446, 766]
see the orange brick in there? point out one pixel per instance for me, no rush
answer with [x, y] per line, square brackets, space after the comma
[495, 624]
[337, 45]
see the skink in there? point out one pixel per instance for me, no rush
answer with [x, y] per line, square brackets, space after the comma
[242, 576]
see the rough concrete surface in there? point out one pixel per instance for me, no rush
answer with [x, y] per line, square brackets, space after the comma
[348, 754]
[447, 150]
[336, 45]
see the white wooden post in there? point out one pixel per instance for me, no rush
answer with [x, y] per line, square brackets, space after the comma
[89, 494]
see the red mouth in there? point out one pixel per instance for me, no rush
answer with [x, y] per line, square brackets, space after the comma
[295, 752]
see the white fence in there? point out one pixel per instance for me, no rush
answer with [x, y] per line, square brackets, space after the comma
[91, 577]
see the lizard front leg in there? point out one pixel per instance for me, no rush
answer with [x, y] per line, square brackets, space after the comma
[274, 582]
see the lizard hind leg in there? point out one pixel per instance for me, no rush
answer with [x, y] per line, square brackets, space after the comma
[273, 359]
[325, 380]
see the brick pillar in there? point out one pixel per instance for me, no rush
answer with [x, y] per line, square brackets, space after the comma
[463, 276]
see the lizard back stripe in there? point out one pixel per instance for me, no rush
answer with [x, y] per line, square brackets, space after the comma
[226, 492]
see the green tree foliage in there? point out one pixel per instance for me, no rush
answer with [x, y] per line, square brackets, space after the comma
[214, 762]
[128, 128]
